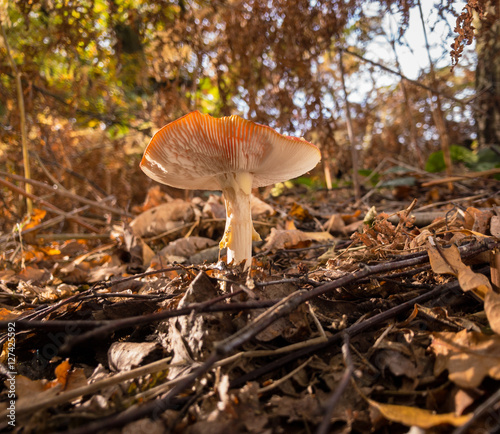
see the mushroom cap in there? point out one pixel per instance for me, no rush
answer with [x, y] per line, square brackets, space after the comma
[193, 150]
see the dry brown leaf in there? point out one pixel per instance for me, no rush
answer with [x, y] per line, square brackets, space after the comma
[154, 198]
[477, 220]
[444, 261]
[123, 356]
[448, 261]
[468, 356]
[299, 212]
[413, 416]
[260, 208]
[495, 226]
[62, 373]
[335, 225]
[163, 218]
[492, 309]
[187, 247]
[214, 208]
[35, 275]
[289, 239]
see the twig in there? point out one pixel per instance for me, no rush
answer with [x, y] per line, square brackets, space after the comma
[22, 114]
[415, 82]
[63, 397]
[351, 331]
[48, 205]
[332, 401]
[473, 175]
[486, 406]
[63, 237]
[66, 193]
[276, 383]
[157, 407]
[151, 409]
[350, 131]
[46, 224]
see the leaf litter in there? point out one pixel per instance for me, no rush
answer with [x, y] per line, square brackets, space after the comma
[350, 319]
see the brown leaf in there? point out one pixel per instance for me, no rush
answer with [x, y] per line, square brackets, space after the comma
[492, 309]
[495, 226]
[187, 247]
[413, 416]
[214, 208]
[300, 213]
[154, 198]
[289, 239]
[163, 218]
[448, 261]
[468, 356]
[260, 208]
[396, 362]
[123, 356]
[477, 220]
[335, 225]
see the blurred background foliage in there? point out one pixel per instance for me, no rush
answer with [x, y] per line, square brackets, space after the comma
[100, 76]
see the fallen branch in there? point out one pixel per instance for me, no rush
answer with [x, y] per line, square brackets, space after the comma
[68, 194]
[48, 205]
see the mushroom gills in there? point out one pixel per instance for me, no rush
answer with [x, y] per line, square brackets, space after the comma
[239, 232]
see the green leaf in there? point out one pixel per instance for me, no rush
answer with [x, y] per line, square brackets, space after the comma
[398, 182]
[435, 162]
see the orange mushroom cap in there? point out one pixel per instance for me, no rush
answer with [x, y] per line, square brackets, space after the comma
[190, 152]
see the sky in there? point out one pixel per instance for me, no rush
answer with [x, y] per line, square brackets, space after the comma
[412, 55]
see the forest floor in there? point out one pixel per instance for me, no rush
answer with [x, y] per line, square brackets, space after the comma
[377, 315]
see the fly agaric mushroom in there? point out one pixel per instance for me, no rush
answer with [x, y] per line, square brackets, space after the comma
[231, 154]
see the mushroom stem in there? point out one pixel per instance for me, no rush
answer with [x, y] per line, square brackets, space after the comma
[239, 232]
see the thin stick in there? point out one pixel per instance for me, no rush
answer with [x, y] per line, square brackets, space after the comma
[48, 205]
[22, 114]
[283, 379]
[486, 406]
[40, 404]
[350, 131]
[66, 193]
[332, 401]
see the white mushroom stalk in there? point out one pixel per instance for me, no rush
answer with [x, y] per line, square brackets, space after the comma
[231, 154]
[239, 232]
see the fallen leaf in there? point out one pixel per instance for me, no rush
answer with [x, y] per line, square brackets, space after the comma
[187, 247]
[123, 356]
[34, 219]
[468, 356]
[477, 220]
[448, 261]
[288, 239]
[300, 213]
[163, 218]
[495, 226]
[492, 309]
[413, 416]
[260, 208]
[154, 198]
[62, 373]
[335, 225]
[214, 208]
[39, 276]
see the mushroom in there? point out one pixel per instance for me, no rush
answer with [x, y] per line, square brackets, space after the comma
[230, 154]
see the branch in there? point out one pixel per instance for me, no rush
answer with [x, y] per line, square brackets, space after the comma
[22, 114]
[48, 205]
[66, 193]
